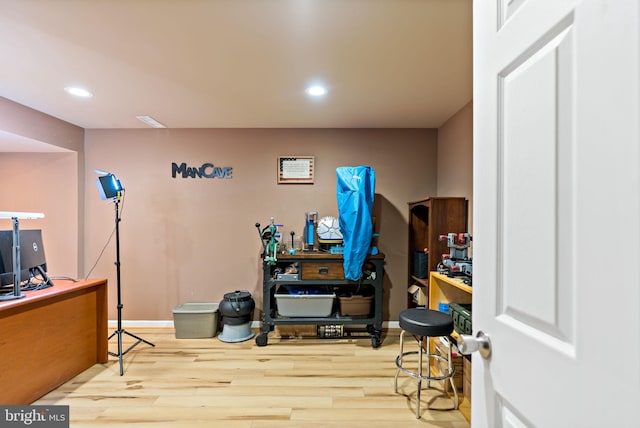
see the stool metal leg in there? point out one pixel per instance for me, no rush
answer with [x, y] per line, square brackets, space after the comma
[450, 365]
[399, 361]
[430, 375]
[420, 376]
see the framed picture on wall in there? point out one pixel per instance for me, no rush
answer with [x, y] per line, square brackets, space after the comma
[295, 169]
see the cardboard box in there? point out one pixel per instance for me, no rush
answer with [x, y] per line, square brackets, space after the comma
[355, 305]
[458, 365]
[418, 294]
[296, 330]
[196, 320]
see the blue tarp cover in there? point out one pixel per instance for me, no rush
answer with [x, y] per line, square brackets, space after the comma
[355, 192]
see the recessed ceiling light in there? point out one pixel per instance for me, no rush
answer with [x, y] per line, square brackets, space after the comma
[78, 92]
[316, 90]
[150, 121]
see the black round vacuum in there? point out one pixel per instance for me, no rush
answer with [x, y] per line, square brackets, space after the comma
[236, 310]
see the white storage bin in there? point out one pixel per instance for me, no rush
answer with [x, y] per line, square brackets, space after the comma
[305, 305]
[196, 320]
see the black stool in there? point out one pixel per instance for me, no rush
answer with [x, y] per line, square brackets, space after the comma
[426, 324]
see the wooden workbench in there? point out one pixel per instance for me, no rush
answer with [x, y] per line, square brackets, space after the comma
[50, 336]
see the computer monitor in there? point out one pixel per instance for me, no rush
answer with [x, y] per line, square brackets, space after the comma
[32, 258]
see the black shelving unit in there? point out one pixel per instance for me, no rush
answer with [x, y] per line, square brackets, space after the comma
[320, 269]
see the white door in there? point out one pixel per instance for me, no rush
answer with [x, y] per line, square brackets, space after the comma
[557, 213]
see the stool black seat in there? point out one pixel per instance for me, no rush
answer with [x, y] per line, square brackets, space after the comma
[424, 324]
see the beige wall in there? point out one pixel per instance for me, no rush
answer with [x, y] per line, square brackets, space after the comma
[455, 157]
[46, 183]
[26, 122]
[194, 239]
[185, 240]
[51, 183]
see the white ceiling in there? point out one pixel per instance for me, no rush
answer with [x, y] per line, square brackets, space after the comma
[239, 63]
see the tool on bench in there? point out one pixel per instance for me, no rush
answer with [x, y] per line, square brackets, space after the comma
[292, 250]
[310, 221]
[457, 262]
[268, 237]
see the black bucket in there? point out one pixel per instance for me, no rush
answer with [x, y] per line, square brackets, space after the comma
[236, 310]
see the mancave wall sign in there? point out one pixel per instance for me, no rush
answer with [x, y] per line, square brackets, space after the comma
[206, 170]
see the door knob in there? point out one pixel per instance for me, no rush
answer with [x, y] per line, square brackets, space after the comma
[481, 343]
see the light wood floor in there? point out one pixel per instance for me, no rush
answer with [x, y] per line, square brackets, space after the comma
[292, 382]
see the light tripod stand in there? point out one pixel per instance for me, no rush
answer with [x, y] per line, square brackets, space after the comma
[120, 331]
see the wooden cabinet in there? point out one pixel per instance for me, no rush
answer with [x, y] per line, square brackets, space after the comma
[428, 219]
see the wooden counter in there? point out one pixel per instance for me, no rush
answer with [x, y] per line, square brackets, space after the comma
[443, 289]
[50, 336]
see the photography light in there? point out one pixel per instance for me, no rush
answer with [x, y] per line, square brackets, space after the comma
[108, 186]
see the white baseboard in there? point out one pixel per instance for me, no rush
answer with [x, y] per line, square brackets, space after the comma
[141, 323]
[169, 323]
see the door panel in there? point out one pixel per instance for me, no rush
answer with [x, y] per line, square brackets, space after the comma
[535, 214]
[557, 212]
